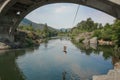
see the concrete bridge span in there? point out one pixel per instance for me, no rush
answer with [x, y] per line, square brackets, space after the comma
[13, 11]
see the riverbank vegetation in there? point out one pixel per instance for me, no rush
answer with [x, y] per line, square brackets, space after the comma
[89, 29]
[29, 36]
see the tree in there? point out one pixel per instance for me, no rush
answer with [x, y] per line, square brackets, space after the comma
[116, 28]
[45, 31]
[100, 26]
[97, 33]
[88, 25]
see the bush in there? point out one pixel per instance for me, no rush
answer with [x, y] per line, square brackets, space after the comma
[80, 40]
[29, 42]
[97, 33]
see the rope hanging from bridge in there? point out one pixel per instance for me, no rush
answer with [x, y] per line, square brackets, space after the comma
[76, 14]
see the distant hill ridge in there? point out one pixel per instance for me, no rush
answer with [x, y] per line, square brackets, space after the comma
[27, 22]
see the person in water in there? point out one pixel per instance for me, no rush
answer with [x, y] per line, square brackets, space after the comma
[65, 47]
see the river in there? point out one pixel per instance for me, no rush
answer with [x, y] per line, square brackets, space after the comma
[49, 62]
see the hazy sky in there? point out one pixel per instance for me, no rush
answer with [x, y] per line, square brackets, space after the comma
[61, 15]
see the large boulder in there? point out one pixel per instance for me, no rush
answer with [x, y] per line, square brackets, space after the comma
[86, 41]
[83, 36]
[93, 40]
[4, 46]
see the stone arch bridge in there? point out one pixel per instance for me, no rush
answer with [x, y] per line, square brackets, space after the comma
[13, 11]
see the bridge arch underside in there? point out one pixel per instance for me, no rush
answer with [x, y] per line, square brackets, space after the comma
[13, 11]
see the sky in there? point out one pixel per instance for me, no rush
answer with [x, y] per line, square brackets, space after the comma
[61, 15]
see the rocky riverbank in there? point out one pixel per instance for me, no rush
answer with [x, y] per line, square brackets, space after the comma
[4, 46]
[111, 75]
[87, 38]
[23, 39]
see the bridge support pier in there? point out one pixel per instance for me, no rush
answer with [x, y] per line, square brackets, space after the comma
[7, 27]
[6, 37]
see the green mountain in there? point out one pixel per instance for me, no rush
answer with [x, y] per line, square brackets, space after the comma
[27, 22]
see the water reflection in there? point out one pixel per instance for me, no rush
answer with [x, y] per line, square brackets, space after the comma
[107, 51]
[115, 58]
[8, 67]
[46, 43]
[93, 46]
[51, 63]
[64, 75]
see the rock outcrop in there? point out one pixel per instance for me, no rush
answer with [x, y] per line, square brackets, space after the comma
[102, 42]
[22, 39]
[93, 40]
[83, 36]
[112, 74]
[4, 46]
